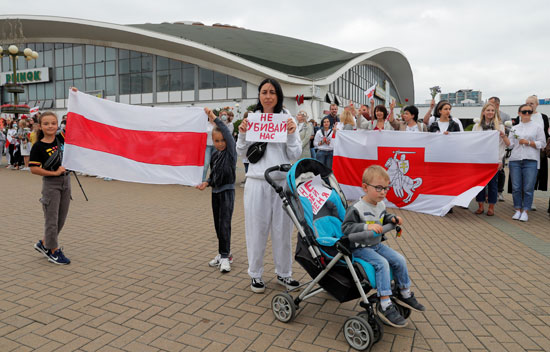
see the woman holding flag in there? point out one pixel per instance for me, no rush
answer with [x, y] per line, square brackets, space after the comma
[263, 210]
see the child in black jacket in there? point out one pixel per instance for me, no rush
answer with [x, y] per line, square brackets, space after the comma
[222, 181]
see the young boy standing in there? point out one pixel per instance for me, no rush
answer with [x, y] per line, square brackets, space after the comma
[222, 181]
[368, 215]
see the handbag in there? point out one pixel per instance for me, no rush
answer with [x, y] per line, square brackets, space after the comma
[547, 148]
[255, 152]
[54, 161]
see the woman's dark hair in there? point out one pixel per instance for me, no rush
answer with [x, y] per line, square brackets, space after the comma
[278, 90]
[522, 106]
[322, 122]
[40, 134]
[381, 108]
[440, 106]
[413, 110]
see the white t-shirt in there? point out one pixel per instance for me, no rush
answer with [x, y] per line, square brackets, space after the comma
[443, 126]
[432, 119]
[412, 129]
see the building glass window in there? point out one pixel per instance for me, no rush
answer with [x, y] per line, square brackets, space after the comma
[205, 78]
[123, 66]
[220, 80]
[188, 79]
[90, 55]
[77, 55]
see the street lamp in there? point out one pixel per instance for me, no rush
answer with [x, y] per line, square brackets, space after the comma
[14, 87]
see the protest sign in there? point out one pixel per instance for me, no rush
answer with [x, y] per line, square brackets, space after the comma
[315, 192]
[267, 128]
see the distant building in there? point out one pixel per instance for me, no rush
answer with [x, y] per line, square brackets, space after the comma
[463, 96]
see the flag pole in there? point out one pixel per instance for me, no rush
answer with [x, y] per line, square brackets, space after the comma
[77, 180]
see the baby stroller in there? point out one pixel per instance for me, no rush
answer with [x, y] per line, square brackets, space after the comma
[325, 253]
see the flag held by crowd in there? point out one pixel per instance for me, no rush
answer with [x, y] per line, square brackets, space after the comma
[429, 172]
[135, 143]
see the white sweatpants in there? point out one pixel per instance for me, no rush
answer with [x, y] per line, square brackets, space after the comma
[263, 212]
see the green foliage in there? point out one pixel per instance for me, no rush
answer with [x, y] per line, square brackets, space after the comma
[469, 127]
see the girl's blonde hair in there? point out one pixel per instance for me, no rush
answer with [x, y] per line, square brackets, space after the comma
[347, 118]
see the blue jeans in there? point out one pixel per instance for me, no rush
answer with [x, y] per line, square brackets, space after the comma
[523, 174]
[492, 188]
[313, 153]
[382, 257]
[325, 157]
[207, 156]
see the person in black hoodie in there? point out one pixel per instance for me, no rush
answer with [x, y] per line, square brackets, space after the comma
[222, 181]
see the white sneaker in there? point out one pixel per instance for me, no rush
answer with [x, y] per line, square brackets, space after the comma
[225, 267]
[533, 207]
[500, 197]
[524, 216]
[217, 259]
[516, 216]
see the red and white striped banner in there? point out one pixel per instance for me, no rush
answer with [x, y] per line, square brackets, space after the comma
[429, 172]
[135, 143]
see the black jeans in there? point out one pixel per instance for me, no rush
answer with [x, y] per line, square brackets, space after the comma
[501, 180]
[222, 208]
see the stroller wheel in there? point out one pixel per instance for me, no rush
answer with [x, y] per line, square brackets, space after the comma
[358, 333]
[376, 325]
[283, 307]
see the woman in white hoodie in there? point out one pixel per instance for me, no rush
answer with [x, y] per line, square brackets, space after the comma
[263, 210]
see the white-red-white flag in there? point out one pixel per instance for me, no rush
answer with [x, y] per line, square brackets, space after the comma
[34, 111]
[370, 92]
[429, 172]
[163, 145]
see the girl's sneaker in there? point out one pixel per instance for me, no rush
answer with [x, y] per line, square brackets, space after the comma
[40, 248]
[225, 266]
[516, 216]
[217, 259]
[58, 257]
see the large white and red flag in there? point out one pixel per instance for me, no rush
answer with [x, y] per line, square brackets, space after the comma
[163, 145]
[429, 172]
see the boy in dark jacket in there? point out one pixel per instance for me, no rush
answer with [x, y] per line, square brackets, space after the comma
[222, 181]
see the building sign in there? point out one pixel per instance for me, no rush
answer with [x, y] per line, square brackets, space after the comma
[36, 75]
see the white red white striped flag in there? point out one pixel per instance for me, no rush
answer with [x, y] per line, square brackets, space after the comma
[33, 111]
[135, 143]
[370, 92]
[429, 172]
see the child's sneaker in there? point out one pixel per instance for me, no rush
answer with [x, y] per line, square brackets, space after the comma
[216, 260]
[410, 303]
[58, 257]
[287, 282]
[391, 316]
[40, 248]
[257, 285]
[225, 266]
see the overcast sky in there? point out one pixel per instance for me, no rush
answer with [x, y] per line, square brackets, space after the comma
[499, 47]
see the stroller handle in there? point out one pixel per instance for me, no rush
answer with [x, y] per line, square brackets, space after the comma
[282, 167]
[363, 236]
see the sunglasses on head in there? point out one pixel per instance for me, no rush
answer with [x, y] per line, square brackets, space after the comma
[526, 112]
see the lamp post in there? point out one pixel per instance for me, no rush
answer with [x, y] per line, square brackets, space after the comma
[13, 87]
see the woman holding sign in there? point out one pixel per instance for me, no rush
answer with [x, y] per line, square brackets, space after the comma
[323, 143]
[263, 211]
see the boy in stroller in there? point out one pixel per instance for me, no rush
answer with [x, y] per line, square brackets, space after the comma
[369, 214]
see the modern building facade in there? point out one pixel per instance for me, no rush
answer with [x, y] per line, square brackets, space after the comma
[192, 64]
[463, 96]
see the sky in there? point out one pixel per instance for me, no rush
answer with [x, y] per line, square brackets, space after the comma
[501, 48]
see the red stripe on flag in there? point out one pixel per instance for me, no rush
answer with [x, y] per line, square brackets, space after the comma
[449, 179]
[162, 148]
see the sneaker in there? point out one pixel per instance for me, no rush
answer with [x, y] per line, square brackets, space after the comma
[391, 316]
[533, 207]
[225, 267]
[516, 216]
[257, 285]
[287, 282]
[58, 257]
[40, 248]
[500, 197]
[216, 260]
[410, 303]
[524, 217]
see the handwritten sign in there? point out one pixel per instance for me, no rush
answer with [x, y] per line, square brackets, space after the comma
[267, 128]
[315, 192]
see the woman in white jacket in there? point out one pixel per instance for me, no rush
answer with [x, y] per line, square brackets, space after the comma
[306, 131]
[263, 210]
[490, 120]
